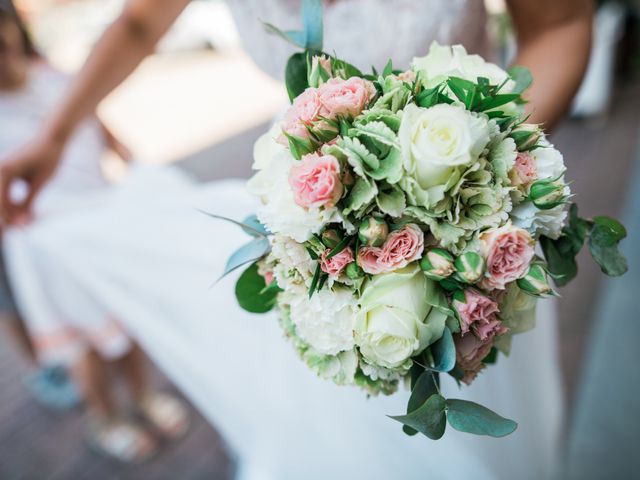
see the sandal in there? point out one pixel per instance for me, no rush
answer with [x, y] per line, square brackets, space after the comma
[121, 440]
[166, 413]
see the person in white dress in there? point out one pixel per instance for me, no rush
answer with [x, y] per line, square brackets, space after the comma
[150, 256]
[82, 339]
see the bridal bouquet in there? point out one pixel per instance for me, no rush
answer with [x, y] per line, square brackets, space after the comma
[400, 216]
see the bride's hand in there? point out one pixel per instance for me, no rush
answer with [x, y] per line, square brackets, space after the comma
[34, 164]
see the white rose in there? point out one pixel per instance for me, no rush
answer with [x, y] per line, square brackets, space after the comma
[279, 212]
[434, 141]
[396, 320]
[326, 320]
[443, 61]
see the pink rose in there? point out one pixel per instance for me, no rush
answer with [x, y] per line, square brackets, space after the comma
[508, 251]
[268, 277]
[402, 247]
[368, 259]
[301, 114]
[470, 351]
[336, 264]
[315, 181]
[340, 97]
[399, 249]
[408, 76]
[476, 311]
[524, 170]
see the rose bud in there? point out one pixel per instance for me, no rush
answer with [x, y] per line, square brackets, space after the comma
[331, 237]
[470, 267]
[526, 136]
[535, 281]
[320, 71]
[437, 264]
[353, 271]
[373, 232]
[547, 194]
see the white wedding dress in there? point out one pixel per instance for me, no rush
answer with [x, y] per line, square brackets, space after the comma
[144, 255]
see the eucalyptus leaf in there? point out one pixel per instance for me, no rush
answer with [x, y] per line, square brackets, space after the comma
[522, 77]
[469, 417]
[444, 352]
[252, 225]
[429, 419]
[603, 246]
[249, 252]
[252, 293]
[248, 225]
[423, 388]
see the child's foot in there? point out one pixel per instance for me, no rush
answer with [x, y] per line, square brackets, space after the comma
[166, 413]
[121, 440]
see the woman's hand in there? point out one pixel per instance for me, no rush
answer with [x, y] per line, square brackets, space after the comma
[34, 164]
[131, 37]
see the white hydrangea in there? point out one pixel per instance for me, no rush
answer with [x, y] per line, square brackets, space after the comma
[376, 373]
[279, 212]
[326, 320]
[340, 368]
[292, 264]
[549, 165]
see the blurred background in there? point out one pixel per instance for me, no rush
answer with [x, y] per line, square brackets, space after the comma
[168, 111]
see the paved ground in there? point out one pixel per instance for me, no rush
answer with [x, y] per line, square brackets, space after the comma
[35, 444]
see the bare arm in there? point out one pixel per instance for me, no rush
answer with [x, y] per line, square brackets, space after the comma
[122, 47]
[554, 41]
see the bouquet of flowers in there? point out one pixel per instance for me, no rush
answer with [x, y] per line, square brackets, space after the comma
[398, 228]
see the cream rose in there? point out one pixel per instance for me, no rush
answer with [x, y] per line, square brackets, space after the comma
[396, 319]
[443, 61]
[434, 141]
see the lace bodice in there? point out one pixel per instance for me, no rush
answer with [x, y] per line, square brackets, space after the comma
[363, 32]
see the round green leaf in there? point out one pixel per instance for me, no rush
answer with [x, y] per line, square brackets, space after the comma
[429, 419]
[470, 417]
[252, 294]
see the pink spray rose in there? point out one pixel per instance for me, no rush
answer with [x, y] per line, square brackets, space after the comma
[524, 170]
[508, 251]
[399, 249]
[336, 264]
[345, 97]
[304, 111]
[402, 247]
[477, 311]
[368, 259]
[315, 181]
[470, 351]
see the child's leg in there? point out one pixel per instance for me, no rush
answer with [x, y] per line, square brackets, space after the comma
[91, 376]
[110, 434]
[133, 367]
[168, 414]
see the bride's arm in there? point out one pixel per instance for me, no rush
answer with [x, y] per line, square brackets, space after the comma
[554, 40]
[122, 47]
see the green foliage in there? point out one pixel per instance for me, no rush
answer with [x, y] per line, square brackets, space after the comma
[470, 417]
[428, 419]
[444, 353]
[249, 252]
[295, 76]
[522, 77]
[604, 236]
[423, 386]
[253, 294]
